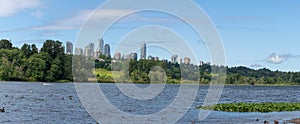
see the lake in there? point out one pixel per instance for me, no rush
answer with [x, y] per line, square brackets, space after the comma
[37, 103]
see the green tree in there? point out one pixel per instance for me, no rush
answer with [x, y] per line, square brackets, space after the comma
[34, 49]
[5, 44]
[26, 49]
[6, 69]
[37, 66]
[54, 48]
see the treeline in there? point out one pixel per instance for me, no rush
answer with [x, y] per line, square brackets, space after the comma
[51, 64]
[48, 64]
[139, 72]
[241, 75]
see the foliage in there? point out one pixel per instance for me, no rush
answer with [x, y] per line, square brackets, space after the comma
[51, 64]
[5, 44]
[254, 107]
[139, 71]
[27, 64]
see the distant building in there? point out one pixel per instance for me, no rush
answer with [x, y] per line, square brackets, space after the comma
[143, 51]
[131, 56]
[87, 51]
[69, 49]
[201, 63]
[179, 60]
[174, 58]
[107, 50]
[117, 56]
[150, 57]
[96, 54]
[78, 51]
[101, 46]
[92, 47]
[153, 58]
[187, 60]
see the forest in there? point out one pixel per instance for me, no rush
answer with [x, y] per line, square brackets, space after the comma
[51, 64]
[138, 71]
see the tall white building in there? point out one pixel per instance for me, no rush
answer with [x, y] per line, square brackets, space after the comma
[78, 51]
[174, 58]
[89, 50]
[143, 51]
[187, 60]
[101, 46]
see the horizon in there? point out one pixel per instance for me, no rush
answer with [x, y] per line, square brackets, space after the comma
[169, 60]
[255, 34]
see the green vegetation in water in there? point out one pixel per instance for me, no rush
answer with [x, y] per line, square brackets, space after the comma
[254, 107]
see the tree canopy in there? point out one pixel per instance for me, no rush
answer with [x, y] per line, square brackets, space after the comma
[27, 64]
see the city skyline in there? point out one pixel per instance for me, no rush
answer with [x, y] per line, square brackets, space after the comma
[255, 33]
[131, 56]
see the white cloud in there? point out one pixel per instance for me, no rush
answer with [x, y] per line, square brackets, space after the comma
[99, 18]
[11, 7]
[278, 59]
[37, 14]
[74, 22]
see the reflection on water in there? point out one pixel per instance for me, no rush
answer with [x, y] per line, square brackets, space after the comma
[58, 103]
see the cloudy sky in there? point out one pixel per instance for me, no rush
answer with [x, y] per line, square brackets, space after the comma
[255, 33]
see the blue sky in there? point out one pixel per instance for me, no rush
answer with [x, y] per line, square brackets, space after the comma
[255, 33]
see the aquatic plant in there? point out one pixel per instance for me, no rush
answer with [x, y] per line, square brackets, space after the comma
[254, 107]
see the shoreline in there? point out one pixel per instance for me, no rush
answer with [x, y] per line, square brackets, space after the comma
[295, 120]
[138, 82]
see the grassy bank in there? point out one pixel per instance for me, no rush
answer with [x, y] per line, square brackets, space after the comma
[105, 76]
[254, 107]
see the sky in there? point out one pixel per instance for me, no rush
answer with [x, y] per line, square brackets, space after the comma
[255, 33]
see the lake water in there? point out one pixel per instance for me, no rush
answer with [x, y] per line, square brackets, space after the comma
[37, 103]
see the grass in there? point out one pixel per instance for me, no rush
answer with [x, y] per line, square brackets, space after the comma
[116, 74]
[106, 76]
[254, 107]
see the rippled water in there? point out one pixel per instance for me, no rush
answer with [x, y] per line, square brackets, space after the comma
[58, 103]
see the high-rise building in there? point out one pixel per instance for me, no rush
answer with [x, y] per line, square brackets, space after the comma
[174, 58]
[201, 63]
[69, 49]
[131, 56]
[92, 47]
[187, 60]
[150, 57]
[87, 51]
[179, 60]
[78, 51]
[107, 50]
[96, 54]
[143, 51]
[153, 58]
[101, 46]
[117, 56]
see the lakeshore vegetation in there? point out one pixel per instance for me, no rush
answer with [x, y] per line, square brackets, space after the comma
[51, 64]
